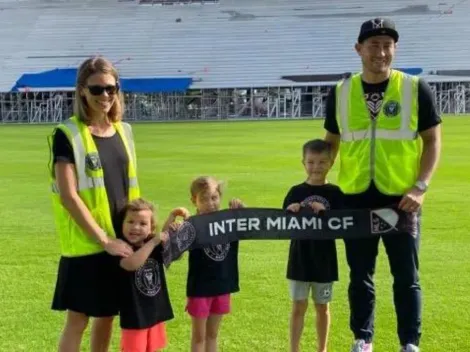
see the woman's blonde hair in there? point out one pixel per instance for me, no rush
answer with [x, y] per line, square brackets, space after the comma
[88, 68]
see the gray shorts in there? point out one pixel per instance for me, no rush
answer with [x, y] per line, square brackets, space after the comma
[321, 292]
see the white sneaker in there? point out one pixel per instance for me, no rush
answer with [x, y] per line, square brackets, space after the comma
[409, 348]
[361, 346]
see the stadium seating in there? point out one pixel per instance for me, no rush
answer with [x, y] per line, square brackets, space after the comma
[235, 43]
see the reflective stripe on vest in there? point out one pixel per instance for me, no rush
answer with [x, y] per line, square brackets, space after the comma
[404, 133]
[130, 140]
[386, 148]
[90, 187]
[83, 180]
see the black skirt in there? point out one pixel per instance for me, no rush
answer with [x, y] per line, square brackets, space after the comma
[88, 285]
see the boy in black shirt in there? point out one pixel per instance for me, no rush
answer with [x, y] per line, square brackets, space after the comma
[312, 263]
[143, 296]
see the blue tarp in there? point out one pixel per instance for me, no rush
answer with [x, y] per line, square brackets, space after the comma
[66, 77]
[411, 70]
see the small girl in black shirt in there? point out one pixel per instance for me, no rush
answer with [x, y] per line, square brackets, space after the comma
[212, 274]
[144, 301]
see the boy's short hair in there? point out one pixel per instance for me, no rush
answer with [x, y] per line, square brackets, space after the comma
[317, 146]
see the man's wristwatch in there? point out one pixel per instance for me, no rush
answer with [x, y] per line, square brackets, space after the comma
[422, 186]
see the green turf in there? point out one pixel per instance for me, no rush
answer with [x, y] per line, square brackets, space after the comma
[259, 161]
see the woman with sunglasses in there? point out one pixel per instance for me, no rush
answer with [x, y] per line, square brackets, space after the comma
[93, 176]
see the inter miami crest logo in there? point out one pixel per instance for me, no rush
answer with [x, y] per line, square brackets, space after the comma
[217, 252]
[92, 161]
[147, 278]
[392, 108]
[185, 236]
[383, 220]
[180, 241]
[315, 199]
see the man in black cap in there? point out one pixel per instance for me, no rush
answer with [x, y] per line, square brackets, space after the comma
[377, 120]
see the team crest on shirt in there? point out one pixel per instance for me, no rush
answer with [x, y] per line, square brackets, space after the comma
[312, 199]
[392, 108]
[217, 252]
[147, 278]
[92, 161]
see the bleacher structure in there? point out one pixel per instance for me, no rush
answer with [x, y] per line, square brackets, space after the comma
[219, 59]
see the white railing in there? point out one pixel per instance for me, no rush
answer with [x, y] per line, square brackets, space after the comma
[211, 104]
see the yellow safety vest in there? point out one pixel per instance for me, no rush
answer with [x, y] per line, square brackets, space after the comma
[90, 187]
[386, 150]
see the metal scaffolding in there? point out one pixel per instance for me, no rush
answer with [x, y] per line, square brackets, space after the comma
[211, 104]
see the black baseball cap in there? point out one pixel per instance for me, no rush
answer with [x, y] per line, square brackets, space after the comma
[378, 26]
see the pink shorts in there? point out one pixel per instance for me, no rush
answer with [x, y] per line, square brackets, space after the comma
[144, 340]
[202, 307]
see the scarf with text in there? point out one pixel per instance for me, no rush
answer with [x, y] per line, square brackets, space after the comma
[231, 225]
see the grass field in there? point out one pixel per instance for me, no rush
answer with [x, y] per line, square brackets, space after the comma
[259, 161]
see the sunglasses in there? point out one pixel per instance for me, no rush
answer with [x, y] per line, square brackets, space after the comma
[98, 90]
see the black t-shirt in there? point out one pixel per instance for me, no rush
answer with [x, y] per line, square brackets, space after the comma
[313, 260]
[115, 163]
[428, 117]
[143, 294]
[213, 271]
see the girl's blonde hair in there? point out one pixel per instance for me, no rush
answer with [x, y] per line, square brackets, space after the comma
[88, 68]
[202, 183]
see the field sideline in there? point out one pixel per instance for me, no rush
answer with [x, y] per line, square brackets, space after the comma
[259, 162]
